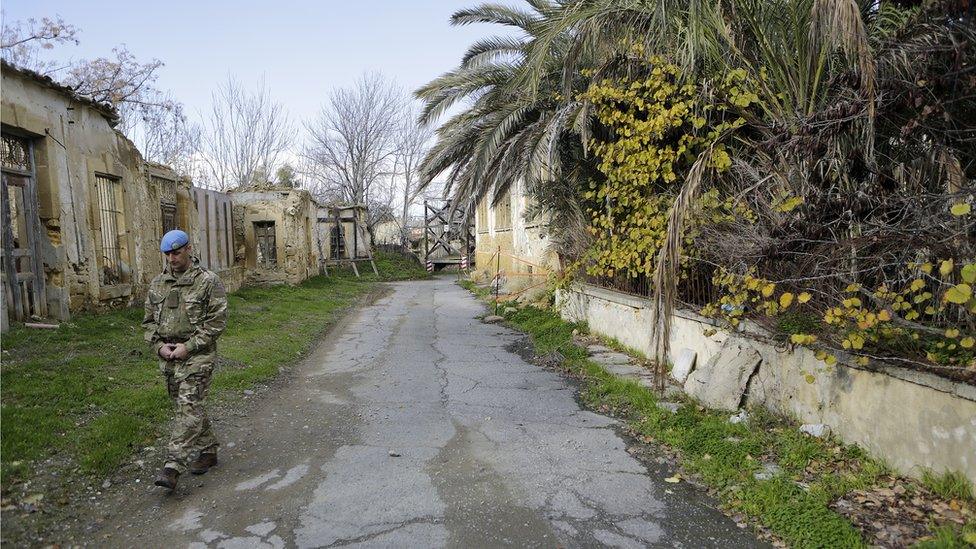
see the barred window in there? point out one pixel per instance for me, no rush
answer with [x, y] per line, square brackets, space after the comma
[16, 155]
[112, 228]
[169, 216]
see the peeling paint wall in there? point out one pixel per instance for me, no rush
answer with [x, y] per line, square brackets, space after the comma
[74, 145]
[522, 244]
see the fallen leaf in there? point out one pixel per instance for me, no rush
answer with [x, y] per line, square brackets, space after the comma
[960, 209]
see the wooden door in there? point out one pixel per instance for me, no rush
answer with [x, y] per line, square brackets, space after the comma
[23, 275]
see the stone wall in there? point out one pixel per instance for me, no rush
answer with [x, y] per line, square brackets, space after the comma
[294, 215]
[912, 420]
[75, 145]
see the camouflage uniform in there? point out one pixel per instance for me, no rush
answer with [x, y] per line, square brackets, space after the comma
[191, 309]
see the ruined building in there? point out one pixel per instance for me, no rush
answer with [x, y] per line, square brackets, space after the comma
[274, 229]
[510, 242]
[83, 212]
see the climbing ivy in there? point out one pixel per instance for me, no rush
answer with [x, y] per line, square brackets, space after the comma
[655, 128]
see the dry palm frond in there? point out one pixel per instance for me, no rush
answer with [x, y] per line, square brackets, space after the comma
[955, 178]
[839, 25]
[668, 262]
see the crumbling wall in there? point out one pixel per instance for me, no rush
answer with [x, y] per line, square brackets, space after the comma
[74, 141]
[293, 212]
[914, 421]
[520, 253]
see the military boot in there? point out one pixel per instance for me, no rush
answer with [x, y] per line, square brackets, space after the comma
[167, 478]
[203, 463]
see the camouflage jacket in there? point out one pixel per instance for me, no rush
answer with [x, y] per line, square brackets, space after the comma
[189, 308]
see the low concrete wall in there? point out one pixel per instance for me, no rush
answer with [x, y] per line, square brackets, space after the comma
[912, 420]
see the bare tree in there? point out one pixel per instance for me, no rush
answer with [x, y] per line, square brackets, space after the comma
[246, 134]
[151, 118]
[165, 135]
[120, 80]
[22, 41]
[353, 141]
[412, 142]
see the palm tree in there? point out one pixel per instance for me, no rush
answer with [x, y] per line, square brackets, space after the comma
[509, 132]
[842, 87]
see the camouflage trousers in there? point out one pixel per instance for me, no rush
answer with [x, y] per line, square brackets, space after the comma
[187, 382]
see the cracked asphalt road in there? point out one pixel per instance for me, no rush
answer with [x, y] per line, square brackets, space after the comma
[413, 425]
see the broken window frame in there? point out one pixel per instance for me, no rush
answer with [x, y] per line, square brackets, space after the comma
[266, 253]
[337, 241]
[169, 213]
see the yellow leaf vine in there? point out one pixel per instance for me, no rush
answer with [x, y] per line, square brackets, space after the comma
[657, 127]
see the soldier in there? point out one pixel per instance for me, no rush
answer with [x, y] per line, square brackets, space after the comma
[186, 311]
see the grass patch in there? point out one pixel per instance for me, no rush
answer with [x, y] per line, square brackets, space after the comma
[949, 485]
[480, 291]
[616, 345]
[947, 537]
[91, 391]
[726, 456]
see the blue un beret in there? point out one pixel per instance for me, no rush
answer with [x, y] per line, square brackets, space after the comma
[173, 240]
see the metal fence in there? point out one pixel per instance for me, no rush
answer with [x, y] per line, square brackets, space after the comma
[695, 287]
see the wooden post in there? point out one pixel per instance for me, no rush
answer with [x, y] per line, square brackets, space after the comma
[498, 266]
[426, 242]
[318, 240]
[355, 235]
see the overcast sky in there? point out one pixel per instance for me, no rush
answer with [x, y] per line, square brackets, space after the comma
[302, 48]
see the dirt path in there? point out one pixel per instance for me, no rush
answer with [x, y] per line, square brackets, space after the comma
[414, 425]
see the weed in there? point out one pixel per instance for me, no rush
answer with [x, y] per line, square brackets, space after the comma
[616, 345]
[948, 537]
[949, 485]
